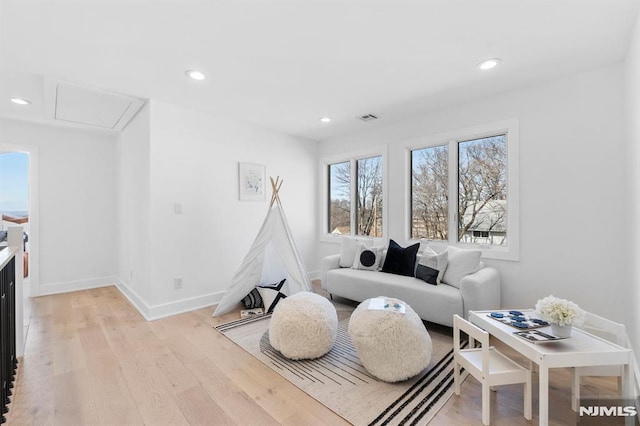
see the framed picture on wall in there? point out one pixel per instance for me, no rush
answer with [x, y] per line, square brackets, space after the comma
[251, 182]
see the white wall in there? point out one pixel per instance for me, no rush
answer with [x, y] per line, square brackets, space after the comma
[573, 192]
[76, 203]
[193, 160]
[633, 119]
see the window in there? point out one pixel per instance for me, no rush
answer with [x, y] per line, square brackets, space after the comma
[340, 198]
[482, 190]
[463, 191]
[369, 196]
[355, 197]
[430, 193]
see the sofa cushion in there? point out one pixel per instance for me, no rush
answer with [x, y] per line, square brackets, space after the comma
[461, 262]
[400, 260]
[348, 249]
[366, 258]
[431, 267]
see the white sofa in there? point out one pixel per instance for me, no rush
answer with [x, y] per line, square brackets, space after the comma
[433, 303]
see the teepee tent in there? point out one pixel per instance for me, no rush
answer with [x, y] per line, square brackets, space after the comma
[272, 257]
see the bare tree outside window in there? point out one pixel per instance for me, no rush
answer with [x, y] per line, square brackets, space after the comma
[367, 201]
[340, 198]
[430, 193]
[369, 196]
[482, 190]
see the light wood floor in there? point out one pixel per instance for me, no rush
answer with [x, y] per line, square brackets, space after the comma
[91, 359]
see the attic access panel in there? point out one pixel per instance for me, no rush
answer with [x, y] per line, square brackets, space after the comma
[87, 106]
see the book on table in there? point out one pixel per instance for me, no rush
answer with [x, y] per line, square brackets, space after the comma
[246, 313]
[537, 336]
[522, 320]
[387, 304]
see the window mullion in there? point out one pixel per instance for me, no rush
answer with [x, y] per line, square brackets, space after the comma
[453, 191]
[354, 195]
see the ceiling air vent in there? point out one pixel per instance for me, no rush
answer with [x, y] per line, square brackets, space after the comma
[368, 117]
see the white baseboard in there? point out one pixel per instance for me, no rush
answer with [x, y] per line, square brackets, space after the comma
[184, 305]
[69, 286]
[137, 302]
[151, 313]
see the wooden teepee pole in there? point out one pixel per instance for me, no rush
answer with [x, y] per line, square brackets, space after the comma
[275, 187]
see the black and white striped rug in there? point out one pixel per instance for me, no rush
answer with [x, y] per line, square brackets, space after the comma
[339, 381]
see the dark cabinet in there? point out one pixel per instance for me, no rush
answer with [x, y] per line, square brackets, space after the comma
[8, 360]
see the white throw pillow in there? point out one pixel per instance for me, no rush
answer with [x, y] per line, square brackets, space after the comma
[367, 258]
[348, 251]
[461, 262]
[271, 295]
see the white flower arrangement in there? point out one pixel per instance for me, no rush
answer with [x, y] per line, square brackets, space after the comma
[560, 311]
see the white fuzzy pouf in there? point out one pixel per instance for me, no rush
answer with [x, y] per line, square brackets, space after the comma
[303, 326]
[392, 346]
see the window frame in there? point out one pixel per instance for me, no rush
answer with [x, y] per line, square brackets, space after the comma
[510, 252]
[352, 158]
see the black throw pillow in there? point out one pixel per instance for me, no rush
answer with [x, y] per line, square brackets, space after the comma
[401, 260]
[427, 274]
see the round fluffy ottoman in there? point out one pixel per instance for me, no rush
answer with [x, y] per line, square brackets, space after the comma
[303, 326]
[392, 346]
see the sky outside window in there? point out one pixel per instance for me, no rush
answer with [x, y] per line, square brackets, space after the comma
[14, 182]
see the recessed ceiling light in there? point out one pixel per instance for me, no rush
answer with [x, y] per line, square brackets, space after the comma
[325, 119]
[196, 75]
[21, 101]
[489, 63]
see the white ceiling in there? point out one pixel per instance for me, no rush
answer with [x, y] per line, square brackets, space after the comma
[284, 64]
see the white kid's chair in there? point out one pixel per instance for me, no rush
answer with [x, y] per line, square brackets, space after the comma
[608, 330]
[489, 366]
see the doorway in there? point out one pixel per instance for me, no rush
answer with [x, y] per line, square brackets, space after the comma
[19, 204]
[14, 199]
[25, 159]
